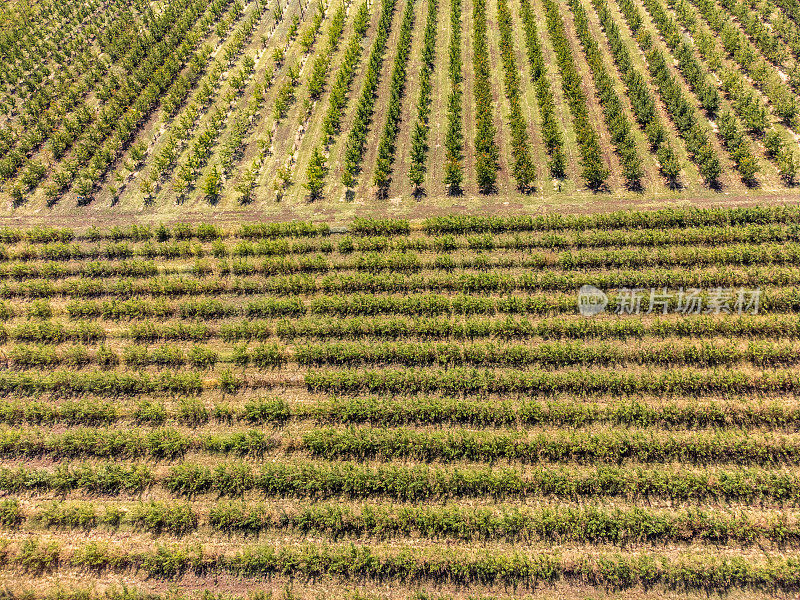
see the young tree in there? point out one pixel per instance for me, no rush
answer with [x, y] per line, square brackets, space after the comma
[212, 186]
[316, 174]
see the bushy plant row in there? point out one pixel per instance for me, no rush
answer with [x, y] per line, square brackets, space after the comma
[319, 71]
[564, 412]
[462, 381]
[188, 411]
[508, 328]
[419, 483]
[157, 444]
[587, 525]
[593, 168]
[616, 526]
[552, 354]
[611, 446]
[664, 218]
[351, 562]
[100, 383]
[552, 136]
[357, 136]
[425, 483]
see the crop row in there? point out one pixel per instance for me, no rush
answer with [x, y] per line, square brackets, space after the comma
[464, 381]
[357, 136]
[137, 356]
[552, 354]
[351, 562]
[454, 136]
[584, 447]
[413, 410]
[421, 483]
[421, 128]
[442, 328]
[337, 99]
[664, 218]
[486, 151]
[587, 525]
[690, 236]
[611, 446]
[594, 224]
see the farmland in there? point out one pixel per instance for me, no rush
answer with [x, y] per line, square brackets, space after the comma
[399, 409]
[286, 107]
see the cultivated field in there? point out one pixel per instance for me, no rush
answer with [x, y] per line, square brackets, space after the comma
[403, 411]
[187, 106]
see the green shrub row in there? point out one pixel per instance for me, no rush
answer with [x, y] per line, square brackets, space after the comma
[664, 218]
[585, 447]
[508, 328]
[560, 412]
[487, 154]
[548, 354]
[523, 169]
[464, 381]
[705, 572]
[591, 525]
[421, 128]
[454, 136]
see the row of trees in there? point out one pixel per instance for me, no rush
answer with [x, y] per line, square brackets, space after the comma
[357, 137]
[421, 130]
[319, 70]
[344, 76]
[486, 152]
[552, 135]
[454, 136]
[613, 110]
[388, 144]
[593, 168]
[523, 169]
[642, 100]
